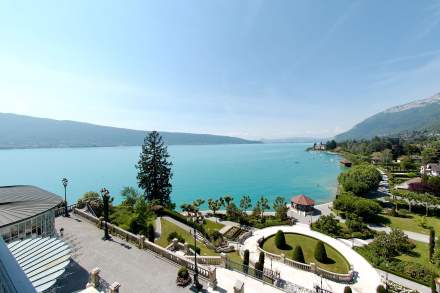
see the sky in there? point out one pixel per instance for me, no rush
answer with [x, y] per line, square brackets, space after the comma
[253, 69]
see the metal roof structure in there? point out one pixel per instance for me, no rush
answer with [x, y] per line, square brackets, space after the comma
[19, 202]
[43, 260]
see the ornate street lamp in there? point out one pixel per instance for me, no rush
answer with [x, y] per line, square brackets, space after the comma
[196, 273]
[65, 181]
[105, 194]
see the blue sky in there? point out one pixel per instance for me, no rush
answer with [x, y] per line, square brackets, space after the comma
[254, 69]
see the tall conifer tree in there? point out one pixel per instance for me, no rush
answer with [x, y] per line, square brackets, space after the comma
[154, 169]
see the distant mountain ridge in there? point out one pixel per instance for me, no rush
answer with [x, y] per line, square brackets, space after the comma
[20, 131]
[420, 115]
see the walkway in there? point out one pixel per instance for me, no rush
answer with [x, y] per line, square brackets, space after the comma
[411, 235]
[404, 282]
[367, 277]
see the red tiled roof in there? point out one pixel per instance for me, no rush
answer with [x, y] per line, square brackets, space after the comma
[302, 200]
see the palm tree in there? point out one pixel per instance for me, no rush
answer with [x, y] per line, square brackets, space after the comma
[130, 195]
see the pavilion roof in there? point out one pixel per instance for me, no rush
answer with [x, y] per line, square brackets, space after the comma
[302, 200]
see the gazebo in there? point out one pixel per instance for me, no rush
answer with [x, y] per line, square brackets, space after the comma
[302, 203]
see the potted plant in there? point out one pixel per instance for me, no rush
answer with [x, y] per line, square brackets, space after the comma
[183, 277]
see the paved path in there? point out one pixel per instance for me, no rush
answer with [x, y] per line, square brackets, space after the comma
[411, 235]
[157, 227]
[367, 277]
[404, 282]
[320, 210]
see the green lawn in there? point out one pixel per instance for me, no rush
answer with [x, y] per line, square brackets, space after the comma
[412, 223]
[419, 255]
[338, 263]
[212, 226]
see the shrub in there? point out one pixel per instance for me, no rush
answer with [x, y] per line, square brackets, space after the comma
[347, 202]
[347, 289]
[328, 225]
[261, 260]
[431, 242]
[151, 234]
[246, 261]
[183, 273]
[173, 235]
[196, 249]
[298, 254]
[320, 252]
[381, 289]
[280, 239]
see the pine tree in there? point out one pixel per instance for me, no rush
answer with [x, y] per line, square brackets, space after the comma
[154, 169]
[320, 252]
[298, 254]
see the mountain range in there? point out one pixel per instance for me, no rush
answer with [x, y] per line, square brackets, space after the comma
[19, 131]
[421, 115]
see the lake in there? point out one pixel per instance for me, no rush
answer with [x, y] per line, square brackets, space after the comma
[203, 171]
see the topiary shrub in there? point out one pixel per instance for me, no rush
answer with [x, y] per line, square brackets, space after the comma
[173, 235]
[381, 289]
[151, 234]
[246, 261]
[320, 252]
[280, 240]
[261, 260]
[298, 254]
[347, 289]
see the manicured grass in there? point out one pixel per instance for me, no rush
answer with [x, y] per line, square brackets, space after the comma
[420, 254]
[168, 227]
[337, 263]
[412, 223]
[212, 226]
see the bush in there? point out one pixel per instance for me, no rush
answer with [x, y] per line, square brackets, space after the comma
[173, 235]
[347, 289]
[196, 249]
[347, 202]
[261, 260]
[328, 225]
[183, 273]
[320, 252]
[280, 240]
[246, 261]
[151, 234]
[298, 254]
[381, 289]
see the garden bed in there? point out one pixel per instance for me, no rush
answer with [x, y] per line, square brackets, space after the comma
[234, 233]
[337, 263]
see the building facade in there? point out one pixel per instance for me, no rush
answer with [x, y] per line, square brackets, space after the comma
[27, 211]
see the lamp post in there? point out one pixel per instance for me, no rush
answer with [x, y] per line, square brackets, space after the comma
[196, 273]
[65, 181]
[105, 198]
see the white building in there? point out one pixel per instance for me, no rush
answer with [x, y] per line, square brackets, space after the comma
[430, 169]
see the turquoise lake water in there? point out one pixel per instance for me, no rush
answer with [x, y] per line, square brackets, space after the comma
[199, 171]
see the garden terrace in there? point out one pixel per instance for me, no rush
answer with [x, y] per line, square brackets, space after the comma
[234, 233]
[336, 262]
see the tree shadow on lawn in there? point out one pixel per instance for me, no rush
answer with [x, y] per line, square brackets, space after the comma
[379, 221]
[328, 261]
[286, 247]
[413, 253]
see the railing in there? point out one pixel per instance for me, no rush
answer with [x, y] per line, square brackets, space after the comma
[206, 260]
[60, 210]
[345, 278]
[244, 237]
